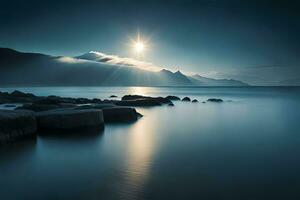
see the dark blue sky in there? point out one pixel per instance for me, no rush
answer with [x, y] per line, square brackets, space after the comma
[255, 41]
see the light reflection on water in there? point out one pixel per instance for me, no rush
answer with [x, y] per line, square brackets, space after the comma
[245, 149]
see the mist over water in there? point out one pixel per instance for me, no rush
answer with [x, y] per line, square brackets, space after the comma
[244, 148]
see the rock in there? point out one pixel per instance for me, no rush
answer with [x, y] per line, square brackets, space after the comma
[70, 120]
[139, 102]
[161, 100]
[119, 114]
[83, 100]
[49, 101]
[17, 93]
[113, 96]
[133, 97]
[215, 100]
[186, 99]
[203, 102]
[16, 124]
[95, 106]
[56, 100]
[170, 104]
[37, 107]
[139, 115]
[10, 106]
[96, 100]
[109, 101]
[173, 98]
[16, 97]
[195, 101]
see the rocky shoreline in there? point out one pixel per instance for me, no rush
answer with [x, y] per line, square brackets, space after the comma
[39, 114]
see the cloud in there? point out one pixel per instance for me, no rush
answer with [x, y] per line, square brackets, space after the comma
[116, 60]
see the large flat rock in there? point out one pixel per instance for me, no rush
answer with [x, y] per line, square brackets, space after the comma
[70, 119]
[16, 124]
[119, 114]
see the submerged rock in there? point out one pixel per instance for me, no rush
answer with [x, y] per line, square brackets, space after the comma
[186, 99]
[119, 114]
[70, 119]
[215, 100]
[113, 96]
[170, 104]
[173, 98]
[16, 124]
[195, 101]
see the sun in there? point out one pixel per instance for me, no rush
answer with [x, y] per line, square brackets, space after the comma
[139, 46]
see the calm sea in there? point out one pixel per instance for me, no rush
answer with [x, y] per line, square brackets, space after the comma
[247, 147]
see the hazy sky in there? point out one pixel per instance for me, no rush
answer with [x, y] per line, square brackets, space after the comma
[255, 41]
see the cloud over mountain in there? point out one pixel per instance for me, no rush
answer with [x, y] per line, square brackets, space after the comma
[91, 69]
[116, 60]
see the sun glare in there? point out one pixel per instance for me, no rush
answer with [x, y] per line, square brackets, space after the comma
[139, 46]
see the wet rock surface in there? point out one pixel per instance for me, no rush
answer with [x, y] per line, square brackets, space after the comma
[70, 119]
[119, 114]
[16, 124]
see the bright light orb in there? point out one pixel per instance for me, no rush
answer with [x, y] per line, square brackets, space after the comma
[139, 47]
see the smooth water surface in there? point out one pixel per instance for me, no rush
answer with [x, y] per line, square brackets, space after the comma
[247, 147]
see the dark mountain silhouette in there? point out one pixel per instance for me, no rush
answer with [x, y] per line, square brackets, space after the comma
[217, 82]
[32, 69]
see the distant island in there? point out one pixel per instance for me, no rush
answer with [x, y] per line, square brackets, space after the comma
[90, 69]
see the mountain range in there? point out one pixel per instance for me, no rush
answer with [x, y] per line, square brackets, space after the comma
[91, 69]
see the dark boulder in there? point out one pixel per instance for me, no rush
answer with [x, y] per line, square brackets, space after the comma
[173, 98]
[161, 100]
[96, 100]
[119, 114]
[82, 100]
[18, 93]
[170, 104]
[133, 97]
[113, 96]
[70, 119]
[16, 124]
[195, 101]
[49, 101]
[186, 99]
[139, 102]
[16, 97]
[215, 100]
